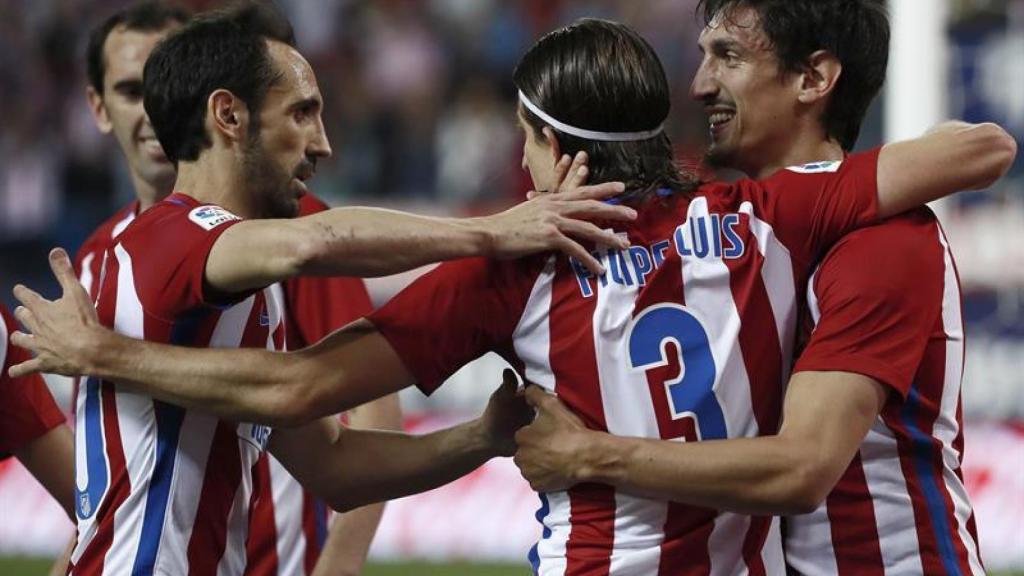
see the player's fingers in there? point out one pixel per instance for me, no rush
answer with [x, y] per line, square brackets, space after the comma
[595, 191]
[60, 263]
[581, 230]
[27, 367]
[562, 169]
[23, 340]
[27, 296]
[574, 250]
[509, 382]
[594, 210]
[27, 319]
[573, 178]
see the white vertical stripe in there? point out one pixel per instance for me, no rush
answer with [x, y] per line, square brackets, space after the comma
[532, 337]
[287, 496]
[894, 511]
[138, 430]
[725, 545]
[122, 224]
[809, 548]
[947, 427]
[771, 554]
[777, 275]
[86, 279]
[531, 341]
[232, 563]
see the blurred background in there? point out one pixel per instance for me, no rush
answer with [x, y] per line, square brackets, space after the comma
[419, 109]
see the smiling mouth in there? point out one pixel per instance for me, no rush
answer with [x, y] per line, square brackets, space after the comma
[718, 120]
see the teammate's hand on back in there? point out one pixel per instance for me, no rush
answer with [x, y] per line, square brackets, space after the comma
[62, 332]
[558, 221]
[506, 412]
[549, 451]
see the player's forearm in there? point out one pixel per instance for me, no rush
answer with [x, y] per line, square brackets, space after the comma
[768, 475]
[394, 465]
[248, 385]
[348, 542]
[951, 157]
[370, 242]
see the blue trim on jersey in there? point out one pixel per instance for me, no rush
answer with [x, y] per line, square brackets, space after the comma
[661, 192]
[168, 425]
[320, 521]
[88, 501]
[921, 448]
[542, 513]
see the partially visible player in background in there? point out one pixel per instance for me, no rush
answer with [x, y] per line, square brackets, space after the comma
[32, 429]
[289, 529]
[871, 441]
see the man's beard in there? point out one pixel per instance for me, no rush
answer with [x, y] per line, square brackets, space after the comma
[719, 157]
[268, 183]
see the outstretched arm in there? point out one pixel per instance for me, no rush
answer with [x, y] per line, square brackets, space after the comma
[350, 468]
[951, 157]
[350, 367]
[369, 242]
[827, 416]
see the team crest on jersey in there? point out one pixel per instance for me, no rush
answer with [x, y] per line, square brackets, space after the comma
[209, 217]
[817, 167]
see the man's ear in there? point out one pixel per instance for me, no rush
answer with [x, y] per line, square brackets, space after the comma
[552, 140]
[99, 111]
[228, 115]
[819, 77]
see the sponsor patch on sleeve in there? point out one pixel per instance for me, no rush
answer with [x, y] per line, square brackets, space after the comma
[816, 167]
[209, 217]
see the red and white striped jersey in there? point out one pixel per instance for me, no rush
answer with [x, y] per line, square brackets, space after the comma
[288, 525]
[163, 490]
[687, 336]
[27, 411]
[89, 258]
[901, 507]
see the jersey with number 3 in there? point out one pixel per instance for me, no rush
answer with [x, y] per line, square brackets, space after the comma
[161, 489]
[687, 336]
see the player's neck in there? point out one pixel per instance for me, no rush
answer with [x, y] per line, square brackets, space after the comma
[212, 182]
[799, 149]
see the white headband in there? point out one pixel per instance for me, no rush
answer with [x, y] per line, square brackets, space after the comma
[587, 134]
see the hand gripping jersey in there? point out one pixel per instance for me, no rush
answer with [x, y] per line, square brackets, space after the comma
[688, 336]
[27, 411]
[288, 525]
[162, 490]
[901, 507]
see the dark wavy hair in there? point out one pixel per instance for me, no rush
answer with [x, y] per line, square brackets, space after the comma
[855, 31]
[226, 49]
[602, 76]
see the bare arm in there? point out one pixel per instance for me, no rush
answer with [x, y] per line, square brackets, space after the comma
[350, 468]
[375, 242]
[51, 460]
[827, 415]
[951, 157]
[351, 533]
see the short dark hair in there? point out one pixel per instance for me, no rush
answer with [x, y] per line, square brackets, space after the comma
[148, 16]
[854, 31]
[225, 49]
[602, 76]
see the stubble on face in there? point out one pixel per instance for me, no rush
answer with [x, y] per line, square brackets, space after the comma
[268, 183]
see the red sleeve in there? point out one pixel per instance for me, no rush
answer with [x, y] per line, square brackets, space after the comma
[169, 246]
[27, 410]
[879, 293]
[455, 314]
[810, 207]
[318, 306]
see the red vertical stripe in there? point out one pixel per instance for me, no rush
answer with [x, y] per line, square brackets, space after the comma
[220, 484]
[853, 524]
[573, 360]
[309, 532]
[261, 545]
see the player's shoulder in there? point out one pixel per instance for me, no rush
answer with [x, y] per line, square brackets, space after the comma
[856, 162]
[177, 214]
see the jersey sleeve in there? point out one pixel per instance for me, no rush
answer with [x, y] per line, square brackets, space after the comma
[169, 250]
[455, 314]
[27, 410]
[812, 206]
[879, 294]
[318, 306]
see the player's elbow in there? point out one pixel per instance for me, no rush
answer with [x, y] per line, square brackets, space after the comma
[997, 148]
[810, 484]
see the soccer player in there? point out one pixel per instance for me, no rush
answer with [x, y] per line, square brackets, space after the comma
[164, 490]
[872, 441]
[289, 525]
[710, 267]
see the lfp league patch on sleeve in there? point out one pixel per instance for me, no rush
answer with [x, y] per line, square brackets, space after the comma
[209, 217]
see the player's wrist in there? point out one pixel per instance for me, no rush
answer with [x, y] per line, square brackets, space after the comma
[600, 458]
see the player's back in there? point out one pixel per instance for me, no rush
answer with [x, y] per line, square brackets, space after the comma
[161, 489]
[687, 335]
[901, 507]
